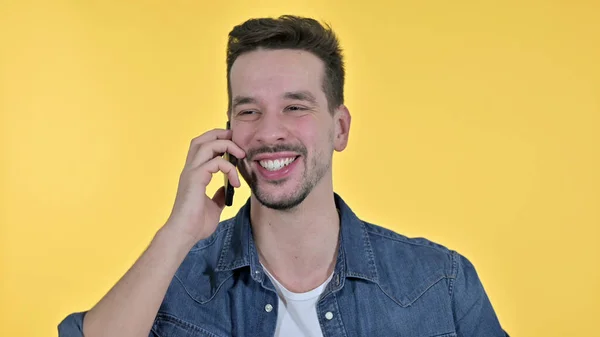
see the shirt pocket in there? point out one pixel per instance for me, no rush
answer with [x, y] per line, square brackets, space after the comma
[423, 310]
[170, 326]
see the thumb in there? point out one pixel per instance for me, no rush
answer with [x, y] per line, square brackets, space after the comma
[219, 197]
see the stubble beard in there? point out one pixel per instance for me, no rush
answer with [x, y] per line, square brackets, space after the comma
[312, 175]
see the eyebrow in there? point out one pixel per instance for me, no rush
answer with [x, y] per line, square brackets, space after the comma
[239, 100]
[301, 96]
[304, 95]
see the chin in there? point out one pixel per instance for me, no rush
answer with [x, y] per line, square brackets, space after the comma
[280, 201]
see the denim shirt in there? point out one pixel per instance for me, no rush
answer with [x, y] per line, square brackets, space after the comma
[384, 284]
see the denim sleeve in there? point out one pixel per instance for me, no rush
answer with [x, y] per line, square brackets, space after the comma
[474, 315]
[72, 325]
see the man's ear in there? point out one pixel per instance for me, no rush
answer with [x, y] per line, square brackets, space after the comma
[342, 120]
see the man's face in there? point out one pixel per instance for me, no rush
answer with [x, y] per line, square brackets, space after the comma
[280, 118]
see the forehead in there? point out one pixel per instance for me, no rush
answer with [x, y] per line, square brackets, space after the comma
[264, 72]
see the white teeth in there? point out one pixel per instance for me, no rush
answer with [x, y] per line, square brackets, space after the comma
[277, 164]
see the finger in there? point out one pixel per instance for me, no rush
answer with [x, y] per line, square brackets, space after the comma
[203, 138]
[210, 150]
[219, 197]
[219, 164]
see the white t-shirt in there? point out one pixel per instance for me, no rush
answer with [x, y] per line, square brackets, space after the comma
[297, 313]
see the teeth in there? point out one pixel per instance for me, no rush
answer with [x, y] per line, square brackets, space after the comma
[277, 164]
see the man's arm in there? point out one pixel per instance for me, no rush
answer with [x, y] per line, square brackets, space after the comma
[474, 315]
[138, 295]
[130, 307]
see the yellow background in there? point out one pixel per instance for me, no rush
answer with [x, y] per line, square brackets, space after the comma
[475, 124]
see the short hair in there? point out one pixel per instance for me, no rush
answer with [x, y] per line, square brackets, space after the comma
[291, 32]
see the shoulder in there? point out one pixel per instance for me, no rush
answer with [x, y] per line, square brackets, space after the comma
[205, 254]
[216, 239]
[410, 267]
[391, 237]
[396, 247]
[198, 276]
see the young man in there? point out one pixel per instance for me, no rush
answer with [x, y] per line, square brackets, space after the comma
[295, 261]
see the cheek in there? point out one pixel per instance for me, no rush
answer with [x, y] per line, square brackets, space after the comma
[306, 130]
[241, 136]
[315, 135]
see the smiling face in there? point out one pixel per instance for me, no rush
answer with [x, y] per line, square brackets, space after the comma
[279, 116]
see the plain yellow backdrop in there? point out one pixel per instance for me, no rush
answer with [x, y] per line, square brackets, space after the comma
[475, 124]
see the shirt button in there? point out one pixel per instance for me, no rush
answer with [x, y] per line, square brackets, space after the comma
[268, 308]
[329, 315]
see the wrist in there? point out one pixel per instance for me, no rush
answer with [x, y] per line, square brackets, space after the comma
[173, 237]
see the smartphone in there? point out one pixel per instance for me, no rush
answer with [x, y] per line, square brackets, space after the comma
[229, 190]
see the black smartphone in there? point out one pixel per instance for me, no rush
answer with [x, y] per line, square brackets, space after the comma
[229, 190]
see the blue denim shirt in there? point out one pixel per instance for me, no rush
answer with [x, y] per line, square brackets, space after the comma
[384, 284]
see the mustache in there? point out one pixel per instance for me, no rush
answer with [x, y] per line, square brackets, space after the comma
[250, 154]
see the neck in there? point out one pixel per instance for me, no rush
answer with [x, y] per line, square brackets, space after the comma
[298, 246]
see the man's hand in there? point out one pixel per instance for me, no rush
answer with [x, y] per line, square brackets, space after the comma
[195, 215]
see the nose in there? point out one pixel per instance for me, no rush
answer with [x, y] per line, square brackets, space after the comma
[271, 129]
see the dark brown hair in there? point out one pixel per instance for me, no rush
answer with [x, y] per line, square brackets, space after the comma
[292, 32]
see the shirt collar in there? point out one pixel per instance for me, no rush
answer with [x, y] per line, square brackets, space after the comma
[355, 256]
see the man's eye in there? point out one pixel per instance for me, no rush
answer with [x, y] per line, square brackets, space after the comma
[246, 112]
[296, 108]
